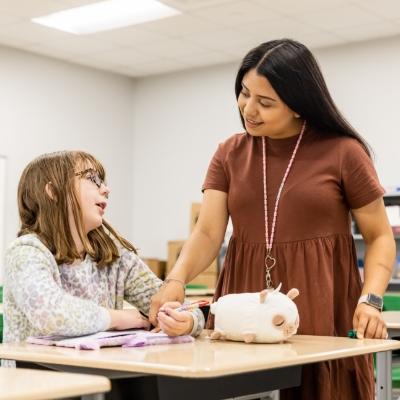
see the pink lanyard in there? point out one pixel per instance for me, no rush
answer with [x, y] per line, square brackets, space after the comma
[269, 240]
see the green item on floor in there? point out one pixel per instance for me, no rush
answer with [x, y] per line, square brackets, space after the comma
[396, 377]
[195, 286]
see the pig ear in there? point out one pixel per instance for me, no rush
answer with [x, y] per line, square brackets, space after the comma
[292, 293]
[263, 295]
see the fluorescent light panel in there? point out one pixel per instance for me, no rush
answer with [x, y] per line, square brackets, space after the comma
[106, 15]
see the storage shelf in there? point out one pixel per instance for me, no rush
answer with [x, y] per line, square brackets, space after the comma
[358, 236]
[394, 285]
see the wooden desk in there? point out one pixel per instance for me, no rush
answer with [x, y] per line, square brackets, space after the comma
[210, 369]
[31, 384]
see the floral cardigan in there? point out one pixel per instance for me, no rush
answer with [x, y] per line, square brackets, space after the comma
[41, 297]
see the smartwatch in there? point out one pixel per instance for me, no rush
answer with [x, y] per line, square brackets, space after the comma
[372, 300]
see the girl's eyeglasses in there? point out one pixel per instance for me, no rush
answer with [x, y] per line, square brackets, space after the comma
[91, 175]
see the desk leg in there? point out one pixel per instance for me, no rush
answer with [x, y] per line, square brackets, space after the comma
[97, 396]
[384, 375]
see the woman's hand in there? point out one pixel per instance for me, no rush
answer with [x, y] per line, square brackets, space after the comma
[170, 291]
[127, 319]
[369, 323]
[174, 323]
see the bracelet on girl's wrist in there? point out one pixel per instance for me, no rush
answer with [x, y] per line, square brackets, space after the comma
[168, 280]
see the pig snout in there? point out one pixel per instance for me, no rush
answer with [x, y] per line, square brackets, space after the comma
[289, 329]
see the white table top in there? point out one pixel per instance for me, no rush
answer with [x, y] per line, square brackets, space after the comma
[203, 358]
[30, 384]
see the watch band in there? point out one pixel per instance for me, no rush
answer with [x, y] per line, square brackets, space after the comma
[372, 300]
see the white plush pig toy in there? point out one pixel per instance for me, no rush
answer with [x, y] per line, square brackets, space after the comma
[263, 317]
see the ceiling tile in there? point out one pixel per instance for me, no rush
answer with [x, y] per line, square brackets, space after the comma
[294, 7]
[18, 43]
[370, 31]
[179, 25]
[124, 56]
[284, 27]
[234, 14]
[386, 8]
[160, 67]
[8, 19]
[30, 8]
[76, 3]
[52, 38]
[54, 52]
[129, 36]
[338, 18]
[322, 39]
[207, 58]
[188, 5]
[221, 39]
[170, 48]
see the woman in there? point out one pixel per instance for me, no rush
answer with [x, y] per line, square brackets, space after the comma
[289, 184]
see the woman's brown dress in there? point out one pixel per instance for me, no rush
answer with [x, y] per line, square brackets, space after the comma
[313, 244]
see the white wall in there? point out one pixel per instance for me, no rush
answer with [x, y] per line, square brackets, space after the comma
[180, 118]
[364, 79]
[48, 105]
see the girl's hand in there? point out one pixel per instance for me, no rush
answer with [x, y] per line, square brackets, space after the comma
[127, 319]
[171, 291]
[368, 323]
[174, 323]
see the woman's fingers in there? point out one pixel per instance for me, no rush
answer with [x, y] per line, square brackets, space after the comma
[170, 292]
[368, 323]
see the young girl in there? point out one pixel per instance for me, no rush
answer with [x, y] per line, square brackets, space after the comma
[69, 271]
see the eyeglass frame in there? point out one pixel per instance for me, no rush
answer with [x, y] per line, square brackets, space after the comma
[94, 174]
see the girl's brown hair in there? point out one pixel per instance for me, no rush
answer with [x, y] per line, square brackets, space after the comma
[47, 216]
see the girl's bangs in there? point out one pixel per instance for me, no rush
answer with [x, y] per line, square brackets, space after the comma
[86, 161]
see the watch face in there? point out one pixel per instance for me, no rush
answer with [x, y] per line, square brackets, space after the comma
[375, 300]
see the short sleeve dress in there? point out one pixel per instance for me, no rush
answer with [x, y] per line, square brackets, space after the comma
[313, 245]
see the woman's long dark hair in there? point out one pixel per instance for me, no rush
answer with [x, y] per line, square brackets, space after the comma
[293, 72]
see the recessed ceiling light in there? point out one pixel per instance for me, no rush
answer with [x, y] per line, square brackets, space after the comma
[106, 15]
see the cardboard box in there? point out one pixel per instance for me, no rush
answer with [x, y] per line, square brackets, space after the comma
[213, 268]
[208, 279]
[174, 250]
[194, 215]
[156, 265]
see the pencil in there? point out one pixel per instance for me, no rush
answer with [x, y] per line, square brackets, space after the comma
[193, 305]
